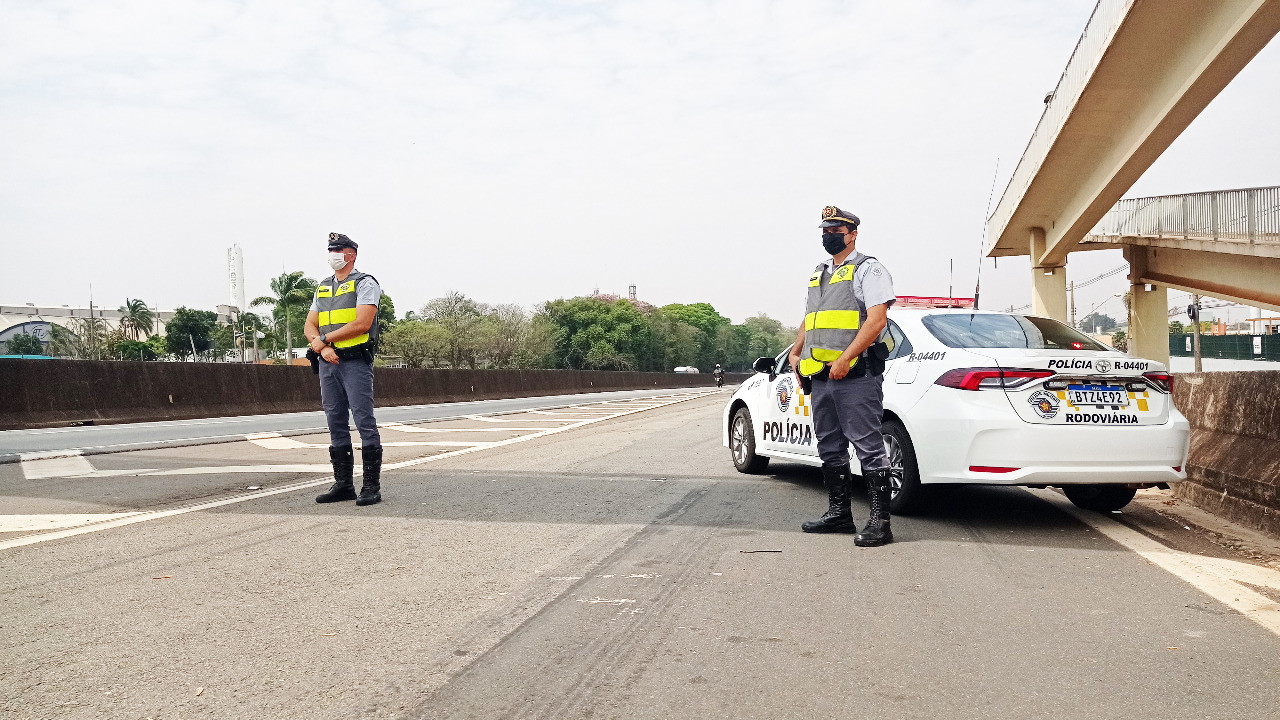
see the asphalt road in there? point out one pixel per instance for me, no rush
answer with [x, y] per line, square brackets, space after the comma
[138, 436]
[601, 561]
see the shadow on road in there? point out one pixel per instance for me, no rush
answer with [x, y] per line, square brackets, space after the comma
[775, 502]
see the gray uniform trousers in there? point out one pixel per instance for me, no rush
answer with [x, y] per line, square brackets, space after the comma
[849, 411]
[348, 386]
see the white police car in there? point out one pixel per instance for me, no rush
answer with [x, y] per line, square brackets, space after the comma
[974, 397]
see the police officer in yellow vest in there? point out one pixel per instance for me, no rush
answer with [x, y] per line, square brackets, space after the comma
[342, 328]
[840, 351]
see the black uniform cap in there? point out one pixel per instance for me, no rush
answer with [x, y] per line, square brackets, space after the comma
[338, 241]
[833, 216]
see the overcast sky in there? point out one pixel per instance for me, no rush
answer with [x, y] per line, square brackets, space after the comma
[524, 151]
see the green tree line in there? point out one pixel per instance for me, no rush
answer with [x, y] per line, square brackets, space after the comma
[598, 332]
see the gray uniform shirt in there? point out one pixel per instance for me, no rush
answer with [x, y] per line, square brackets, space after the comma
[872, 284]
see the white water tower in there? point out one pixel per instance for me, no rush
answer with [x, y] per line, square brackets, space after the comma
[235, 277]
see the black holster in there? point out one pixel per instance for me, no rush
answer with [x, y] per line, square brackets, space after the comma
[871, 362]
[314, 358]
[806, 385]
[876, 356]
[359, 352]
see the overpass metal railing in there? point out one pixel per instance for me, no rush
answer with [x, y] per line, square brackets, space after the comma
[1098, 33]
[1250, 215]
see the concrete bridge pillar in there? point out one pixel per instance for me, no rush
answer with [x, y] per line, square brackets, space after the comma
[1148, 310]
[1048, 284]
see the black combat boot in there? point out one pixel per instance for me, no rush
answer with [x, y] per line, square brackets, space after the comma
[877, 531]
[371, 492]
[344, 465]
[838, 518]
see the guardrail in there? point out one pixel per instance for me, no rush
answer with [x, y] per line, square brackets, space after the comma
[1248, 215]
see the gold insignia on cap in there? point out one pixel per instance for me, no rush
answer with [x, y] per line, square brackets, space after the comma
[829, 212]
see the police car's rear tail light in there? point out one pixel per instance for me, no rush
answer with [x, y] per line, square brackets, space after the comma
[1160, 380]
[989, 378]
[991, 469]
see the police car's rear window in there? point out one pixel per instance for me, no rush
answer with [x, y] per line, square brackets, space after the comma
[1007, 331]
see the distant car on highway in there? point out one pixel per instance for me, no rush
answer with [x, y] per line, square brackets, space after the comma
[688, 369]
[978, 397]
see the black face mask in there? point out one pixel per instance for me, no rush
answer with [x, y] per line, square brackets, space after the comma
[833, 243]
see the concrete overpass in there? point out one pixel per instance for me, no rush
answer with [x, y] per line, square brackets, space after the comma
[1140, 74]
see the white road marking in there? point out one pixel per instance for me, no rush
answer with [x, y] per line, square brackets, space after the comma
[296, 468]
[29, 523]
[158, 514]
[211, 470]
[38, 467]
[439, 443]
[275, 441]
[198, 422]
[413, 429]
[114, 473]
[482, 418]
[1215, 577]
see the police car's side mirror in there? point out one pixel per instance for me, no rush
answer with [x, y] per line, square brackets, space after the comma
[766, 365]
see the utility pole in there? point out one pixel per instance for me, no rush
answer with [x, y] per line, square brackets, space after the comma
[91, 328]
[1073, 303]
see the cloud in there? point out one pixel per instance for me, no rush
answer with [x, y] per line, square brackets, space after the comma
[516, 151]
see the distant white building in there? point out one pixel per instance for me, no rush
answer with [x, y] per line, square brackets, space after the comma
[32, 320]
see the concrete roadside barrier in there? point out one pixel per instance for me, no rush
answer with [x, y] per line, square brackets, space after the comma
[1234, 465]
[52, 393]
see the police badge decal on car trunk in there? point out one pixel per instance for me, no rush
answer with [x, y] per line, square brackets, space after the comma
[1045, 403]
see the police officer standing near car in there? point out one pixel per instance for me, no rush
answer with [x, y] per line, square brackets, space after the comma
[840, 351]
[342, 328]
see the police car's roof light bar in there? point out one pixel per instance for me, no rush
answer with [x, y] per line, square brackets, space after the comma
[924, 301]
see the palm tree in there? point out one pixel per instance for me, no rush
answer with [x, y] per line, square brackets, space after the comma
[292, 290]
[136, 319]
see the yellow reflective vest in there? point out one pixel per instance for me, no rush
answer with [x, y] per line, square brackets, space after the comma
[336, 303]
[832, 316]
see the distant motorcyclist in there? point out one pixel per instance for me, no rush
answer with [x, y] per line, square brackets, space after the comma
[718, 374]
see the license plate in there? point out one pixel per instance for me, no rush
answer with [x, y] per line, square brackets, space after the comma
[1097, 395]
